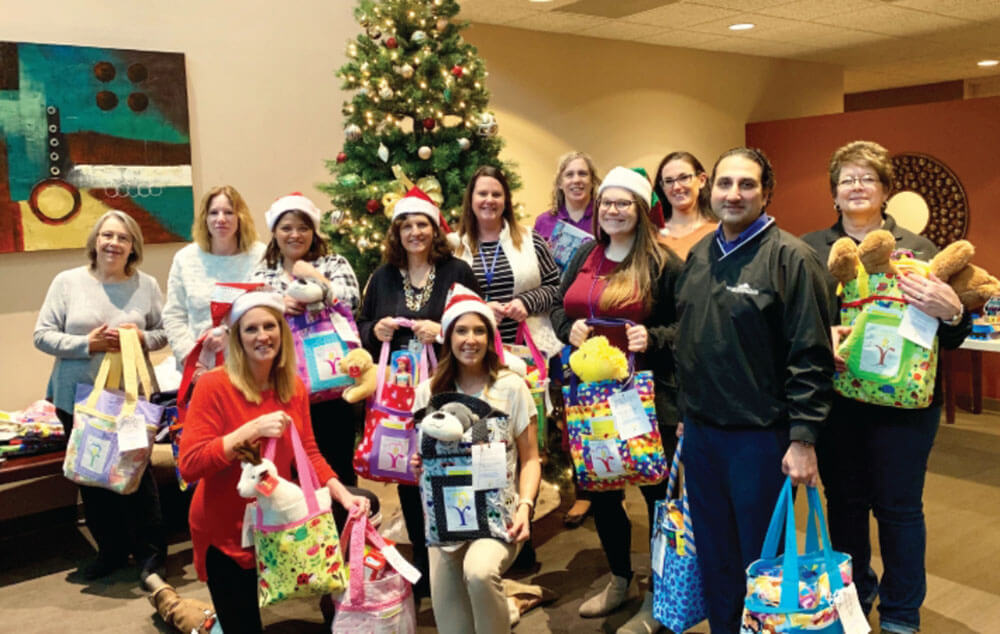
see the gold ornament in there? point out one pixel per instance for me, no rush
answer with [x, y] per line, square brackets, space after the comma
[424, 152]
[398, 188]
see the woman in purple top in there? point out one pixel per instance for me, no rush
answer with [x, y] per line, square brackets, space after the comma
[572, 198]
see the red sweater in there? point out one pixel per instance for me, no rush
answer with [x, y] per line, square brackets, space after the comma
[584, 295]
[217, 408]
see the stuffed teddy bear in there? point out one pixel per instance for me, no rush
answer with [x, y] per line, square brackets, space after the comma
[450, 416]
[308, 292]
[187, 615]
[598, 360]
[359, 366]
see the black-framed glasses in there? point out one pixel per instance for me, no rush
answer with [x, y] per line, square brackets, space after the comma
[683, 179]
[621, 204]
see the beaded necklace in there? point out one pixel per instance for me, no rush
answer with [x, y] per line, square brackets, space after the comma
[415, 299]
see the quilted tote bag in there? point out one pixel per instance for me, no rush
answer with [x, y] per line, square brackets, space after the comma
[454, 509]
[322, 338]
[604, 456]
[390, 438]
[792, 592]
[537, 376]
[678, 593]
[382, 601]
[883, 367]
[106, 447]
[303, 558]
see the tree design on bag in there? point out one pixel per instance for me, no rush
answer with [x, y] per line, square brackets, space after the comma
[884, 350]
[462, 507]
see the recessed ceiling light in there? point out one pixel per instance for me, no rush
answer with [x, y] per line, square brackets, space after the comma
[540, 1]
[988, 62]
[741, 26]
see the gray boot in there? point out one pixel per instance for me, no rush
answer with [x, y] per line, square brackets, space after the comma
[618, 591]
[643, 621]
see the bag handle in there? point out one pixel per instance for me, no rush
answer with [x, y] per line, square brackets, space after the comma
[129, 340]
[107, 376]
[574, 380]
[671, 487]
[357, 532]
[308, 480]
[524, 335]
[427, 364]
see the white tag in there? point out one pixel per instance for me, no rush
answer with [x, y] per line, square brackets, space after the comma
[629, 414]
[852, 619]
[606, 460]
[403, 567]
[659, 553]
[918, 327]
[249, 519]
[132, 433]
[489, 466]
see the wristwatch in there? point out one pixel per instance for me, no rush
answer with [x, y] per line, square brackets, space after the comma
[957, 319]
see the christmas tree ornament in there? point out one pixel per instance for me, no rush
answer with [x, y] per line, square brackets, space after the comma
[352, 132]
[336, 216]
[457, 71]
[385, 92]
[429, 123]
[447, 95]
[441, 25]
[424, 152]
[372, 206]
[487, 125]
[363, 244]
[341, 157]
[405, 71]
[383, 152]
[418, 37]
[350, 180]
[374, 32]
[390, 42]
[364, 21]
[464, 143]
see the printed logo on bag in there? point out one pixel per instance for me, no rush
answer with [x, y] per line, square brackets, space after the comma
[882, 350]
[606, 459]
[460, 505]
[392, 454]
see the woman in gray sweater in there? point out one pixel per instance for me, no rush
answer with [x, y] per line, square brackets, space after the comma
[79, 321]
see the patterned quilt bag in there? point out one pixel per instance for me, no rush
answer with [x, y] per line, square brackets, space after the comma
[798, 593]
[459, 505]
[390, 438]
[678, 593]
[302, 558]
[537, 376]
[323, 337]
[883, 366]
[113, 429]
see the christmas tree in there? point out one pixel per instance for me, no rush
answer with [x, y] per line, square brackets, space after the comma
[418, 116]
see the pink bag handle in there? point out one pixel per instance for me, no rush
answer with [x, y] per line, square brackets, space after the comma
[308, 480]
[524, 335]
[357, 532]
[427, 364]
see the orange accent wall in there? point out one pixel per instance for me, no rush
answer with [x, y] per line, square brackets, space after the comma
[965, 135]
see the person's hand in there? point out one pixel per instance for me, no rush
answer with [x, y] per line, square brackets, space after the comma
[837, 336]
[199, 369]
[799, 462]
[520, 530]
[516, 310]
[638, 338]
[680, 430]
[103, 339]
[303, 269]
[270, 425]
[417, 465]
[215, 341]
[930, 295]
[579, 333]
[385, 328]
[355, 503]
[294, 306]
[426, 330]
[498, 310]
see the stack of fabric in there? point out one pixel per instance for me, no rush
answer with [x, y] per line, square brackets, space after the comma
[30, 431]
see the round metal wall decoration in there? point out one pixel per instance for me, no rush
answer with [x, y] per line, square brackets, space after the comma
[934, 181]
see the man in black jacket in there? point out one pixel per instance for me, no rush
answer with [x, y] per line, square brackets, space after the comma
[754, 368]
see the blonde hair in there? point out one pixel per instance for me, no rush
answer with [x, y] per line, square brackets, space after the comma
[134, 232]
[558, 197]
[633, 279]
[282, 378]
[247, 233]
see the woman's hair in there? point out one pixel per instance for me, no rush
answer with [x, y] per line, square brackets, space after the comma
[867, 153]
[394, 254]
[558, 197]
[317, 249]
[633, 279]
[444, 377]
[468, 225]
[704, 194]
[134, 232]
[246, 234]
[282, 378]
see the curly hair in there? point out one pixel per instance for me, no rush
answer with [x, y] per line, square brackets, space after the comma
[393, 252]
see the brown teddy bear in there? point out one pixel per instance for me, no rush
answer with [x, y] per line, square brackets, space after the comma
[187, 615]
[359, 365]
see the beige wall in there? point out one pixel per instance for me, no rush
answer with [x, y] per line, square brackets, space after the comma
[265, 111]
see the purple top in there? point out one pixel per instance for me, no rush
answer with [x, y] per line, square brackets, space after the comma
[546, 222]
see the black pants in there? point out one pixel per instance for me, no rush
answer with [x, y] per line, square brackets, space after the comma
[413, 515]
[335, 425]
[234, 593]
[124, 524]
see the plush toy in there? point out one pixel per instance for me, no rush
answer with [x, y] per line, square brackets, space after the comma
[843, 261]
[308, 292]
[451, 416]
[281, 502]
[875, 252]
[359, 366]
[598, 360]
[187, 615]
[973, 285]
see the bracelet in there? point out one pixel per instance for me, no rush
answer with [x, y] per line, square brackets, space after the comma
[527, 501]
[957, 319]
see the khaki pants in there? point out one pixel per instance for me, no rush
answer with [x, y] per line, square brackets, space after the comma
[465, 587]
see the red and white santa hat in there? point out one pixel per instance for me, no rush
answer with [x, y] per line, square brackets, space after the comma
[292, 202]
[461, 299]
[417, 202]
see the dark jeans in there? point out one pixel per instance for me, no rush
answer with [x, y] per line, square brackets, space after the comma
[873, 459]
[413, 515]
[733, 481]
[335, 424]
[234, 593]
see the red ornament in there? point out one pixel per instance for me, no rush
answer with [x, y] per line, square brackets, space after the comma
[391, 42]
[457, 70]
[429, 123]
[373, 206]
[341, 157]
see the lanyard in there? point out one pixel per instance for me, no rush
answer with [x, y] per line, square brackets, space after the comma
[489, 272]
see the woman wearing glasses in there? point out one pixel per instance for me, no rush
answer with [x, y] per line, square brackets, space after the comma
[624, 274]
[680, 183]
[873, 458]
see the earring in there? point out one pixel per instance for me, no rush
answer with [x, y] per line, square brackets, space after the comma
[836, 208]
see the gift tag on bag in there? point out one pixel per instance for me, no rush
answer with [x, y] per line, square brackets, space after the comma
[489, 466]
[629, 414]
[249, 519]
[131, 433]
[403, 567]
[918, 327]
[852, 619]
[659, 554]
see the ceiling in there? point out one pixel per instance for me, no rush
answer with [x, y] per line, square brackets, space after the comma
[880, 43]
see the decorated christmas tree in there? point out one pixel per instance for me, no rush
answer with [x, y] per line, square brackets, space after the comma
[418, 115]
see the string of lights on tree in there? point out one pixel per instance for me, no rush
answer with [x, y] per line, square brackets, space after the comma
[418, 115]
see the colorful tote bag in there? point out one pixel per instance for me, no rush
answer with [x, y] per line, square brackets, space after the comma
[302, 558]
[883, 366]
[322, 338]
[455, 509]
[610, 450]
[390, 437]
[537, 376]
[378, 597]
[113, 430]
[793, 592]
[678, 592]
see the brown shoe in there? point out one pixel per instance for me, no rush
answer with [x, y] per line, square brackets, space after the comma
[577, 513]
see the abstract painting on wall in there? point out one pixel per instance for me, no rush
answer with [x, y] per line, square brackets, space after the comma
[84, 130]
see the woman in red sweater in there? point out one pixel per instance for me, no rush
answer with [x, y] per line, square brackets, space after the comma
[255, 396]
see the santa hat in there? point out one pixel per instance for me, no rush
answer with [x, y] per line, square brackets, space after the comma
[417, 202]
[223, 296]
[628, 179]
[293, 201]
[461, 300]
[265, 297]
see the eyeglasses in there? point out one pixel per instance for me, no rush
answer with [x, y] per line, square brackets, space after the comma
[110, 236]
[683, 179]
[621, 204]
[867, 181]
